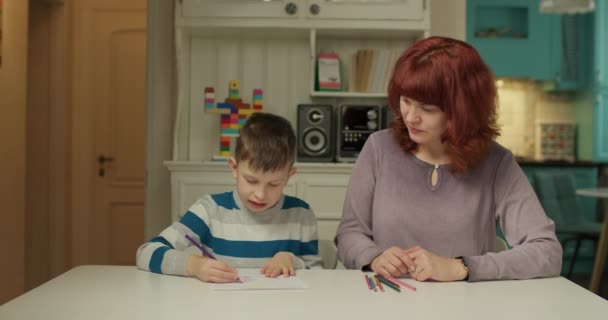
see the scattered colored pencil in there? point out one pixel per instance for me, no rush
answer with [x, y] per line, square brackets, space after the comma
[402, 284]
[369, 284]
[389, 283]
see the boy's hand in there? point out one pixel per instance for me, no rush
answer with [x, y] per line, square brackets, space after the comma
[210, 270]
[281, 263]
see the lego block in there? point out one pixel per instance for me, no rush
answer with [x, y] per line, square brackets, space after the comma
[234, 101]
[234, 84]
[224, 105]
[247, 112]
[217, 111]
[228, 132]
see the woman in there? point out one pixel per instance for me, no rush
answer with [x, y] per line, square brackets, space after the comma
[426, 195]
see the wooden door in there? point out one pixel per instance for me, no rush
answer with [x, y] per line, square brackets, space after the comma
[109, 115]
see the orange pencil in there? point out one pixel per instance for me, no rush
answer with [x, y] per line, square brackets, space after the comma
[378, 283]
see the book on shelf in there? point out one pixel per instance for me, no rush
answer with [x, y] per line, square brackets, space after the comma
[369, 70]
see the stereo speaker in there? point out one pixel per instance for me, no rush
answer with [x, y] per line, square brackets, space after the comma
[387, 116]
[315, 133]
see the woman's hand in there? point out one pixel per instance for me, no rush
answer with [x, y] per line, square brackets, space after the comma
[210, 270]
[393, 262]
[281, 263]
[428, 265]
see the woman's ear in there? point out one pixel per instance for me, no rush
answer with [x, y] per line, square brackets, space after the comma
[233, 166]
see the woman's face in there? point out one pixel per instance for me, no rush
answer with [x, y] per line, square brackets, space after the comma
[425, 123]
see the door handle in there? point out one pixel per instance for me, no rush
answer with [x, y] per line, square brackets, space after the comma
[101, 159]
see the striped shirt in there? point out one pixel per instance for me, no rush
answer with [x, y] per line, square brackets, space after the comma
[235, 235]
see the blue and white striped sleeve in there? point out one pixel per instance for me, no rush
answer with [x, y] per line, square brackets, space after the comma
[167, 253]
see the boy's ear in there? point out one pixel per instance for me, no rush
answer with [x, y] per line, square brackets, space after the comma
[292, 171]
[233, 166]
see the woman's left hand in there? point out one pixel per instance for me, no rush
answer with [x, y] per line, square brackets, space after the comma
[432, 266]
[281, 263]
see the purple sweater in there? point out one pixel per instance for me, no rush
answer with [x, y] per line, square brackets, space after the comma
[390, 202]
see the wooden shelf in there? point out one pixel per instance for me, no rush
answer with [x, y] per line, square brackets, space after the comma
[342, 94]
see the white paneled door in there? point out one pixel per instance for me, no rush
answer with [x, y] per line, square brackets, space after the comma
[109, 131]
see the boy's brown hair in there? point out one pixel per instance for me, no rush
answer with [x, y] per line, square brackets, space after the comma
[267, 142]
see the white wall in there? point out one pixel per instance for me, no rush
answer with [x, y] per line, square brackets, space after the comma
[448, 18]
[160, 106]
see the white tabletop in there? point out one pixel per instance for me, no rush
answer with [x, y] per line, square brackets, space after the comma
[112, 292]
[594, 192]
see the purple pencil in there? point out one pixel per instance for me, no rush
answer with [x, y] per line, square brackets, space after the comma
[203, 250]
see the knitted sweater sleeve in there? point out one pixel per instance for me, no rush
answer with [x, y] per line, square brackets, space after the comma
[166, 253]
[535, 252]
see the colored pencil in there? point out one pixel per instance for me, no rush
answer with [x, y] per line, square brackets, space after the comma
[401, 283]
[369, 284]
[205, 252]
[379, 283]
[200, 247]
[387, 282]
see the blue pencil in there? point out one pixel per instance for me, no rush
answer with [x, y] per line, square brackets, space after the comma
[373, 284]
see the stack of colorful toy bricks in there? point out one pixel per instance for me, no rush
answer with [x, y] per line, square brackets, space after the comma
[233, 114]
[258, 99]
[233, 89]
[209, 98]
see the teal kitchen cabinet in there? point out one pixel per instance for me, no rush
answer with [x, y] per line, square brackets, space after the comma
[600, 108]
[600, 126]
[517, 41]
[512, 37]
[571, 53]
[601, 43]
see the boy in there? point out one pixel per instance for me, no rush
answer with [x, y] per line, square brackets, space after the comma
[256, 226]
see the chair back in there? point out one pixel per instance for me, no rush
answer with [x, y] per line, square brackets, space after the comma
[329, 253]
[557, 194]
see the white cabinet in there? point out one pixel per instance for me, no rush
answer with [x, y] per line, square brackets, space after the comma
[292, 14]
[239, 9]
[323, 186]
[366, 10]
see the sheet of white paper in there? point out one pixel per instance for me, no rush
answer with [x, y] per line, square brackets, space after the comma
[253, 280]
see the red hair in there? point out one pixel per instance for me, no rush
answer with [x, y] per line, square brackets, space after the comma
[451, 75]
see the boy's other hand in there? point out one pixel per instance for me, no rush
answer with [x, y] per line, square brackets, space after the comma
[281, 263]
[210, 270]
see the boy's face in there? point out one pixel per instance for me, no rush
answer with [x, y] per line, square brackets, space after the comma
[259, 190]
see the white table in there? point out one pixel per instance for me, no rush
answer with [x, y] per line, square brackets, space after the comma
[113, 292]
[602, 245]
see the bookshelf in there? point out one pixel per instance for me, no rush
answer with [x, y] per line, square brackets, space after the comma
[386, 45]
